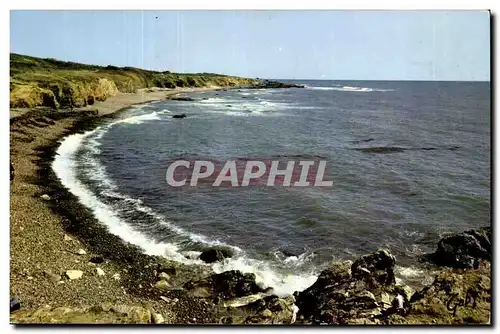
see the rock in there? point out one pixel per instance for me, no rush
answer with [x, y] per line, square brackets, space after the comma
[266, 313]
[270, 310]
[350, 292]
[51, 276]
[116, 276]
[45, 197]
[163, 276]
[226, 285]
[463, 250]
[81, 252]
[266, 84]
[181, 98]
[14, 304]
[179, 116]
[96, 259]
[404, 290]
[100, 314]
[67, 238]
[162, 285]
[158, 318]
[215, 254]
[12, 172]
[100, 272]
[379, 266]
[455, 297]
[74, 274]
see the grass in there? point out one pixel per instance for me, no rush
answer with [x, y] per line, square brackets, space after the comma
[59, 84]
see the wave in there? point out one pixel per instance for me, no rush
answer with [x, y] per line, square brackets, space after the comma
[141, 118]
[65, 166]
[246, 107]
[350, 89]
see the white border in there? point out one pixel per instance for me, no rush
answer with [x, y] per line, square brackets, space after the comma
[191, 4]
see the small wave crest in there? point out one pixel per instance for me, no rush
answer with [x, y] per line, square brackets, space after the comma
[350, 89]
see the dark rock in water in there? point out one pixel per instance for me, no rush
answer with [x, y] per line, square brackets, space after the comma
[215, 254]
[181, 98]
[266, 84]
[96, 259]
[463, 250]
[179, 116]
[428, 148]
[362, 141]
[228, 105]
[14, 304]
[351, 293]
[383, 149]
[454, 148]
[226, 285]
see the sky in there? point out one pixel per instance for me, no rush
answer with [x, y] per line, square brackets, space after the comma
[335, 45]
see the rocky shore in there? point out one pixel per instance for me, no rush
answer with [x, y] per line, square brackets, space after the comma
[67, 268]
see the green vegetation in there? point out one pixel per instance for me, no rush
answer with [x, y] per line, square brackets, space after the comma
[53, 83]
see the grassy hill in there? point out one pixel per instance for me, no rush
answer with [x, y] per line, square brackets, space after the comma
[53, 83]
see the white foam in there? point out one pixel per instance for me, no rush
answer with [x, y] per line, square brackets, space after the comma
[140, 119]
[351, 89]
[64, 167]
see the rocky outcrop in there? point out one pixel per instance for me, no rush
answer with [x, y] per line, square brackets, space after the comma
[265, 84]
[101, 314]
[267, 310]
[356, 292]
[455, 297]
[463, 250]
[215, 254]
[224, 286]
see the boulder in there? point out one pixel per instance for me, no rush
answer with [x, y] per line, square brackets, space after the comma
[74, 274]
[215, 254]
[100, 272]
[351, 292]
[162, 285]
[81, 252]
[226, 285]
[45, 197]
[463, 250]
[181, 98]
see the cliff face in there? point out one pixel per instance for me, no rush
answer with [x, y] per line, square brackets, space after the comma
[52, 83]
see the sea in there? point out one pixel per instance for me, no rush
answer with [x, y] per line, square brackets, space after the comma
[409, 162]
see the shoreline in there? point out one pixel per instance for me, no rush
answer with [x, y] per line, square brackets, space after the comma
[47, 249]
[33, 269]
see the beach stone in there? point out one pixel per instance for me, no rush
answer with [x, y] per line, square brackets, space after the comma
[215, 254]
[74, 274]
[67, 238]
[163, 276]
[162, 285]
[116, 276]
[45, 197]
[81, 252]
[158, 318]
[100, 272]
[51, 276]
[14, 304]
[179, 116]
[96, 259]
[266, 313]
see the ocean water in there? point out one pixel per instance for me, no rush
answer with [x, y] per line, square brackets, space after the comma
[401, 199]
